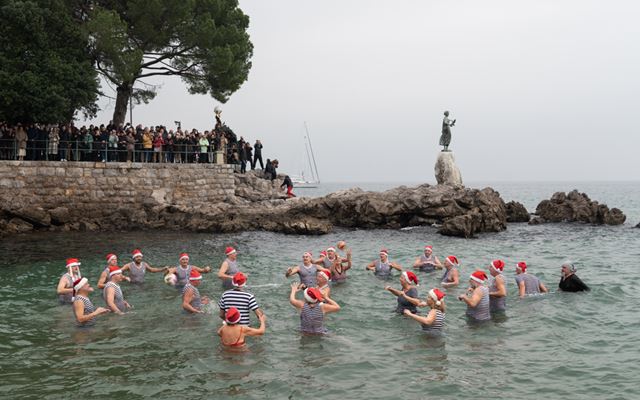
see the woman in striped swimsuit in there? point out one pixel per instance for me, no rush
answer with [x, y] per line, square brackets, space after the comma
[322, 279]
[112, 261]
[527, 284]
[228, 268]
[434, 321]
[498, 288]
[191, 300]
[83, 309]
[183, 271]
[232, 334]
[451, 275]
[113, 293]
[312, 310]
[477, 298]
[65, 284]
[382, 267]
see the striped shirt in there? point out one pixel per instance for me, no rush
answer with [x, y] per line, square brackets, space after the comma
[437, 325]
[88, 309]
[243, 301]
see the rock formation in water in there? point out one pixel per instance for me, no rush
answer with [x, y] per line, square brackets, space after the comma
[576, 207]
[446, 170]
[516, 212]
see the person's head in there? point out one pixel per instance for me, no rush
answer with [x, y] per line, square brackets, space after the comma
[73, 266]
[184, 260]
[567, 268]
[306, 258]
[408, 278]
[521, 267]
[239, 280]
[322, 277]
[312, 295]
[428, 250]
[231, 253]
[477, 279]
[451, 262]
[384, 255]
[81, 287]
[435, 299]
[112, 259]
[232, 316]
[115, 274]
[136, 256]
[496, 267]
[195, 277]
[446, 113]
[331, 253]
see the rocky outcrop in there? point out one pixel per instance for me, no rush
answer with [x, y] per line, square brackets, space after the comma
[446, 170]
[516, 212]
[638, 226]
[577, 207]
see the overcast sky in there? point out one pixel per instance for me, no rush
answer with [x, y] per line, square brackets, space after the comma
[542, 90]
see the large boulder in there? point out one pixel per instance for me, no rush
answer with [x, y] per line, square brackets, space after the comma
[35, 216]
[578, 207]
[516, 212]
[446, 170]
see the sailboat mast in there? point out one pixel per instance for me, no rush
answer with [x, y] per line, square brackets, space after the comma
[312, 156]
[306, 148]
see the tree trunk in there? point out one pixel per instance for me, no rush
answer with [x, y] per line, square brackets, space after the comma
[122, 101]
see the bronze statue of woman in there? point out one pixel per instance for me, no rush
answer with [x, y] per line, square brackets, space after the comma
[445, 138]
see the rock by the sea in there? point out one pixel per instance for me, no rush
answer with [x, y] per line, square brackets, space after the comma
[516, 212]
[446, 170]
[577, 207]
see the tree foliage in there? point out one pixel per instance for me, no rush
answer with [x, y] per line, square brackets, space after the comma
[46, 73]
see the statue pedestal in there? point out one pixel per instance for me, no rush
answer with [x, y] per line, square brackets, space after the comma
[219, 157]
[446, 170]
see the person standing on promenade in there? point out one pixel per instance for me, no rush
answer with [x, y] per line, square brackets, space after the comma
[312, 309]
[21, 142]
[477, 298]
[451, 277]
[65, 284]
[191, 300]
[497, 288]
[257, 155]
[83, 309]
[382, 267]
[408, 281]
[112, 292]
[427, 262]
[183, 271]
[137, 268]
[228, 268]
[527, 284]
[569, 281]
[240, 299]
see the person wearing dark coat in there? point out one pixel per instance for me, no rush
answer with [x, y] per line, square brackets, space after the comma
[569, 281]
[257, 154]
[249, 152]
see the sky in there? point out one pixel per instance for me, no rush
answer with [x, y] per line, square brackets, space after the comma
[542, 90]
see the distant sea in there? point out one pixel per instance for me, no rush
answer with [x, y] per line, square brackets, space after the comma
[556, 346]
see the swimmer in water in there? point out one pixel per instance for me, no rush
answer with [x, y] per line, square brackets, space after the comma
[112, 261]
[191, 300]
[322, 279]
[183, 271]
[137, 268]
[451, 277]
[112, 292]
[527, 284]
[408, 281]
[382, 267]
[433, 322]
[337, 265]
[232, 334]
[569, 281]
[477, 297]
[65, 284]
[83, 309]
[427, 262]
[228, 268]
[312, 309]
[307, 271]
[497, 287]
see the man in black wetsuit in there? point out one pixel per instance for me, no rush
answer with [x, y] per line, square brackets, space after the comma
[569, 281]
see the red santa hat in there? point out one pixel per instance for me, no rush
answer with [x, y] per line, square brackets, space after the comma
[114, 270]
[436, 295]
[453, 260]
[331, 249]
[184, 255]
[428, 247]
[323, 253]
[72, 262]
[78, 284]
[232, 316]
[195, 275]
[479, 276]
[229, 251]
[385, 252]
[325, 273]
[136, 253]
[239, 279]
[307, 254]
[111, 256]
[410, 277]
[312, 295]
[522, 265]
[497, 265]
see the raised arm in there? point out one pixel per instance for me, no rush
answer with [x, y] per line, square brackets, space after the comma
[204, 270]
[371, 266]
[474, 299]
[428, 320]
[437, 263]
[329, 306]
[417, 263]
[396, 292]
[292, 296]
[291, 271]
[413, 300]
[152, 269]
[259, 331]
[347, 260]
[395, 266]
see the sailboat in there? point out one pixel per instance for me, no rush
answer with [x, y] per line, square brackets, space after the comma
[300, 181]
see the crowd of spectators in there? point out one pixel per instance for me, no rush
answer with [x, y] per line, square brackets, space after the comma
[106, 143]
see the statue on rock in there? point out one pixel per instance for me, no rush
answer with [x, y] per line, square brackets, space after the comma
[445, 138]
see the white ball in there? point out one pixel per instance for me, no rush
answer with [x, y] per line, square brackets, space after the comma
[170, 279]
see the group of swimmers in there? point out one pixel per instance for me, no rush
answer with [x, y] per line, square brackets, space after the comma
[485, 296]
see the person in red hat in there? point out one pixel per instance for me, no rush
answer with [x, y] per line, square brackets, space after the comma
[312, 309]
[112, 292]
[527, 284]
[323, 278]
[191, 300]
[433, 322]
[337, 265]
[427, 262]
[228, 268]
[112, 261]
[307, 271]
[497, 288]
[408, 281]
[382, 267]
[232, 333]
[183, 271]
[137, 268]
[451, 277]
[477, 297]
[240, 299]
[83, 309]
[65, 284]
